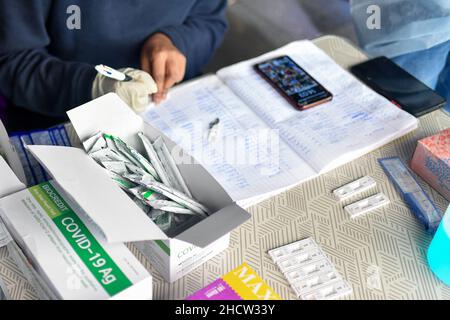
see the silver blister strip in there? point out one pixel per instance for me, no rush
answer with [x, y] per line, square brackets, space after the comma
[329, 291]
[300, 259]
[315, 282]
[307, 270]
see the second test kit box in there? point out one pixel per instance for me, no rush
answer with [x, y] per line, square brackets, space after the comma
[116, 215]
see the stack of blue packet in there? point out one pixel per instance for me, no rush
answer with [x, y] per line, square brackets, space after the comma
[34, 172]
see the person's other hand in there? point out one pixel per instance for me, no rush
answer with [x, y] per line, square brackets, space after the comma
[166, 64]
[136, 93]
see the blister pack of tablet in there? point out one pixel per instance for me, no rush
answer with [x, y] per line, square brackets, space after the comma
[310, 273]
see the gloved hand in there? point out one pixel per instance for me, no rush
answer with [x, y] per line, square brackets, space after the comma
[135, 93]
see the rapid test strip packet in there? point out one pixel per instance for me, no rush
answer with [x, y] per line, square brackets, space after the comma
[308, 270]
[69, 251]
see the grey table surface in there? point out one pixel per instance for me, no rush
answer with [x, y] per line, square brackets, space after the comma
[382, 254]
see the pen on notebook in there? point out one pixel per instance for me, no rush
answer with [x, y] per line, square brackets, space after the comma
[214, 128]
[112, 73]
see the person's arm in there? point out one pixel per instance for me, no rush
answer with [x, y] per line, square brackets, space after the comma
[29, 76]
[179, 52]
[201, 33]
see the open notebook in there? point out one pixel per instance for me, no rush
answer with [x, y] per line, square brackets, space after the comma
[299, 145]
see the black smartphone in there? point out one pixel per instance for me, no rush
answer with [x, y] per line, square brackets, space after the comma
[294, 83]
[400, 87]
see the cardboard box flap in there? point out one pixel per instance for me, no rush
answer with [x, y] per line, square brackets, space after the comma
[9, 183]
[215, 226]
[7, 150]
[119, 218]
[108, 114]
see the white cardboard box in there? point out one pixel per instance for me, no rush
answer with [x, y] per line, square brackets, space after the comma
[65, 248]
[115, 215]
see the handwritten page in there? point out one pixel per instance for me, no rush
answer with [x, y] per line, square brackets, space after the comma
[355, 122]
[243, 159]
[265, 145]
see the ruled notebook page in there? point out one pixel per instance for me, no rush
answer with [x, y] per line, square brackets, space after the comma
[355, 122]
[310, 142]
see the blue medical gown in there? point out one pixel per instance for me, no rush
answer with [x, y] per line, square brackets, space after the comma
[414, 33]
[406, 25]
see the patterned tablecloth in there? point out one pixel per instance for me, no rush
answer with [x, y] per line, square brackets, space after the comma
[382, 255]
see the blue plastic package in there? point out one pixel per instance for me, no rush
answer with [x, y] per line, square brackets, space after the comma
[413, 194]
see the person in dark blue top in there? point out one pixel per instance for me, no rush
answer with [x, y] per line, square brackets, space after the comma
[48, 48]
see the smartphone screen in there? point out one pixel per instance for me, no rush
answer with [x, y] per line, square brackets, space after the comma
[294, 83]
[398, 86]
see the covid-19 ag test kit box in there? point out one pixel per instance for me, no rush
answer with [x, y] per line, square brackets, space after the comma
[118, 216]
[71, 257]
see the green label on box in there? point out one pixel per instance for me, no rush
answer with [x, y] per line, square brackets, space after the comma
[99, 263]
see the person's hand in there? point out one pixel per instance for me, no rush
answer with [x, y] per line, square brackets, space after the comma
[136, 93]
[166, 64]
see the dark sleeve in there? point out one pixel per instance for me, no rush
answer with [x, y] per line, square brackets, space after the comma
[201, 33]
[29, 76]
